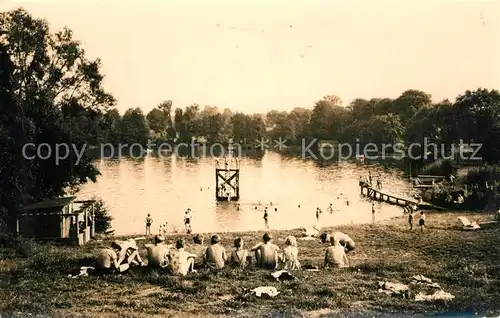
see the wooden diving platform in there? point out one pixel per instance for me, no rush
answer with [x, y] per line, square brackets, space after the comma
[227, 179]
[227, 184]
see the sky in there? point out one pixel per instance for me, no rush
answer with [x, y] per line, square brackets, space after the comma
[257, 55]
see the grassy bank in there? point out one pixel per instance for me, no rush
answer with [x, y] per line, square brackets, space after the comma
[463, 263]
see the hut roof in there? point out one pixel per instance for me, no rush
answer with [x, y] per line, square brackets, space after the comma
[50, 203]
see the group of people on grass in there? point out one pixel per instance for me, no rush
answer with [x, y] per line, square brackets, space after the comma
[122, 255]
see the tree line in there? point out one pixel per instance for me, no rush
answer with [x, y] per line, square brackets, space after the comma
[50, 92]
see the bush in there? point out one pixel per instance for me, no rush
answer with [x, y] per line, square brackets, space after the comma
[483, 174]
[439, 167]
[22, 247]
[102, 218]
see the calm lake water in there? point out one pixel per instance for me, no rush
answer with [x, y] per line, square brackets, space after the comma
[166, 187]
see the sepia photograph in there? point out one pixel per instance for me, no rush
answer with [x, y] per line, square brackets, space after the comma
[251, 158]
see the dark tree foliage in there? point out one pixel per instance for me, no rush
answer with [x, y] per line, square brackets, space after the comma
[46, 84]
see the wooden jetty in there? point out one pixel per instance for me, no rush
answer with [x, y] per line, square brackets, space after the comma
[374, 194]
[370, 192]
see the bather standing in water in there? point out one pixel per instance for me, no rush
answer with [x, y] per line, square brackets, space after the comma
[149, 221]
[187, 221]
[266, 215]
[330, 208]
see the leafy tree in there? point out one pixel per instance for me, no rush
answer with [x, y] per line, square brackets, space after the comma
[409, 102]
[239, 124]
[321, 120]
[166, 108]
[212, 125]
[478, 120]
[178, 121]
[256, 127]
[134, 127]
[43, 73]
[361, 109]
[382, 106]
[279, 125]
[299, 118]
[113, 123]
[157, 121]
[102, 218]
[160, 120]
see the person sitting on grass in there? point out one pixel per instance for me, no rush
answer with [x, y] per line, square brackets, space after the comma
[335, 255]
[118, 258]
[266, 253]
[345, 240]
[199, 250]
[181, 261]
[128, 252]
[215, 254]
[239, 257]
[107, 261]
[290, 254]
[159, 253]
[460, 200]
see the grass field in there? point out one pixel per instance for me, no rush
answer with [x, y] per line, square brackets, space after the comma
[465, 264]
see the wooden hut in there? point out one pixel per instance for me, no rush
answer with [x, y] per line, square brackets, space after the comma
[60, 219]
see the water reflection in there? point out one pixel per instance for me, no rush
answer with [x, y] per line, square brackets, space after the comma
[166, 186]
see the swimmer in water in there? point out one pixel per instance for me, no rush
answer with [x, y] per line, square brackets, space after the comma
[330, 208]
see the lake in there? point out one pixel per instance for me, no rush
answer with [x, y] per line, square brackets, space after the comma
[166, 187]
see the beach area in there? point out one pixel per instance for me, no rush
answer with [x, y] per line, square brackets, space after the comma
[34, 277]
